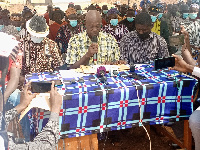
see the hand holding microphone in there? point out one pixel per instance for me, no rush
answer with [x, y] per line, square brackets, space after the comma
[93, 49]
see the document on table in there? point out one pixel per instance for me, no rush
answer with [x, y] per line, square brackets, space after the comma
[70, 74]
[41, 101]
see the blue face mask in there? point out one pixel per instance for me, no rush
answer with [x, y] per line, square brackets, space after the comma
[114, 22]
[153, 18]
[1, 27]
[192, 15]
[185, 15]
[160, 15]
[73, 23]
[79, 12]
[130, 19]
[105, 11]
[18, 28]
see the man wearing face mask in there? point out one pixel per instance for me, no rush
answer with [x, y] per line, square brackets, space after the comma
[69, 30]
[104, 14]
[83, 46]
[142, 45]
[129, 22]
[40, 53]
[184, 10]
[122, 12]
[79, 13]
[56, 15]
[194, 27]
[160, 26]
[113, 28]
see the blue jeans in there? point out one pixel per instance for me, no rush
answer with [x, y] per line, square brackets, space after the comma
[12, 102]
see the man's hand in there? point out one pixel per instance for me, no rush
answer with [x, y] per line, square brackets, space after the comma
[55, 99]
[93, 49]
[181, 65]
[26, 96]
[183, 31]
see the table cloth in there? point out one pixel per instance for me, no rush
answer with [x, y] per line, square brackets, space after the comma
[92, 107]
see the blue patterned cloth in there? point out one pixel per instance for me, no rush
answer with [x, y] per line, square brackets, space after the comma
[93, 108]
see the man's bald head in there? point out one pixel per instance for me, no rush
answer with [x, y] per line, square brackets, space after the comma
[93, 16]
[93, 23]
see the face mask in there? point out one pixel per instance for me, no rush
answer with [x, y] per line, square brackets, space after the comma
[73, 23]
[18, 28]
[105, 11]
[160, 15]
[153, 18]
[143, 36]
[79, 12]
[192, 15]
[37, 39]
[130, 19]
[1, 27]
[185, 15]
[114, 22]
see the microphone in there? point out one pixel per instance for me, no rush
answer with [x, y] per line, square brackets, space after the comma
[94, 40]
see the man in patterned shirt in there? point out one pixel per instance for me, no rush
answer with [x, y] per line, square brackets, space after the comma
[40, 53]
[113, 28]
[81, 48]
[47, 139]
[67, 31]
[142, 45]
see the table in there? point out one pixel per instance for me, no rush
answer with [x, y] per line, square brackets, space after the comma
[93, 108]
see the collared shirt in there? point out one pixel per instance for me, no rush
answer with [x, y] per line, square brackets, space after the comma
[64, 34]
[42, 57]
[194, 34]
[118, 32]
[135, 50]
[79, 44]
[47, 139]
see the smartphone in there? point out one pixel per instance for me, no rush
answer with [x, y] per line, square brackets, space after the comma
[164, 63]
[176, 40]
[44, 86]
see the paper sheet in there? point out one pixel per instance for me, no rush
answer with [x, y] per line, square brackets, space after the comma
[41, 101]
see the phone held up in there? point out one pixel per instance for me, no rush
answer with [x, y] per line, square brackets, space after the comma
[44, 86]
[164, 63]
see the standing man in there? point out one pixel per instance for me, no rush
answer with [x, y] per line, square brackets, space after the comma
[113, 28]
[129, 22]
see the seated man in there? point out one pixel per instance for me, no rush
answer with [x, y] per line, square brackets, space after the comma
[81, 49]
[40, 53]
[142, 45]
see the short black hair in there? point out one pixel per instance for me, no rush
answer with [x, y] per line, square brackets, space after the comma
[184, 8]
[57, 10]
[143, 18]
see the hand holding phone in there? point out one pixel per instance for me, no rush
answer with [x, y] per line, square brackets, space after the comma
[164, 63]
[44, 86]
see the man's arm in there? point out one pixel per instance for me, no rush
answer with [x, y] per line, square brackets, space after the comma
[13, 82]
[48, 138]
[71, 58]
[45, 140]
